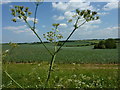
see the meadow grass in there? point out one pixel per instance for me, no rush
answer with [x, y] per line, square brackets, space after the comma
[33, 75]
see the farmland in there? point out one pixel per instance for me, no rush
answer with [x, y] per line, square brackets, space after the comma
[75, 67]
[84, 54]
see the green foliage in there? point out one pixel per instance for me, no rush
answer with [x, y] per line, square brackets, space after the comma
[56, 24]
[101, 45]
[107, 44]
[14, 20]
[33, 75]
[110, 43]
[70, 20]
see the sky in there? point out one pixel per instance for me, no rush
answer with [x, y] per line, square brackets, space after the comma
[61, 12]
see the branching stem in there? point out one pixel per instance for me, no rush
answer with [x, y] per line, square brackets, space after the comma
[69, 35]
[57, 50]
[33, 29]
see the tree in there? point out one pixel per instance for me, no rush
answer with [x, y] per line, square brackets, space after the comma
[101, 45]
[53, 36]
[107, 44]
[110, 43]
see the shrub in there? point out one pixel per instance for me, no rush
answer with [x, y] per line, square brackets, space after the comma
[110, 43]
[96, 46]
[107, 44]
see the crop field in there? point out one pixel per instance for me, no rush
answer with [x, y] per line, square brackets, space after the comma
[37, 53]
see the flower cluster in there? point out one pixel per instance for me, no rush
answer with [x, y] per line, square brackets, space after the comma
[86, 15]
[20, 12]
[53, 35]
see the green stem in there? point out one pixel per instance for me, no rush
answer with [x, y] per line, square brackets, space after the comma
[13, 80]
[9, 74]
[43, 43]
[69, 35]
[38, 37]
[53, 58]
[33, 28]
[35, 15]
[57, 50]
[50, 69]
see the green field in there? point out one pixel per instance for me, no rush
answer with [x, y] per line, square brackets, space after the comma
[63, 75]
[86, 54]
[75, 67]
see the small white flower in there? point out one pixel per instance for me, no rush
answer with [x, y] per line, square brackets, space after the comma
[87, 86]
[83, 82]
[36, 86]
[59, 85]
[75, 80]
[73, 63]
[69, 80]
[38, 64]
[6, 51]
[74, 76]
[38, 77]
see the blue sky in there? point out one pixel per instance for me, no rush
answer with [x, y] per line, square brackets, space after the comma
[49, 13]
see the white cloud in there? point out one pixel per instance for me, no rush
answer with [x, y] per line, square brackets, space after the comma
[5, 2]
[63, 25]
[108, 32]
[95, 21]
[70, 6]
[103, 13]
[19, 29]
[110, 6]
[58, 17]
[14, 28]
[60, 6]
[31, 19]
[90, 29]
[94, 0]
[11, 6]
[68, 10]
[77, 0]
[28, 19]
[68, 14]
[82, 33]
[43, 26]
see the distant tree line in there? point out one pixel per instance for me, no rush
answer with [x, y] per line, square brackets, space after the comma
[106, 44]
